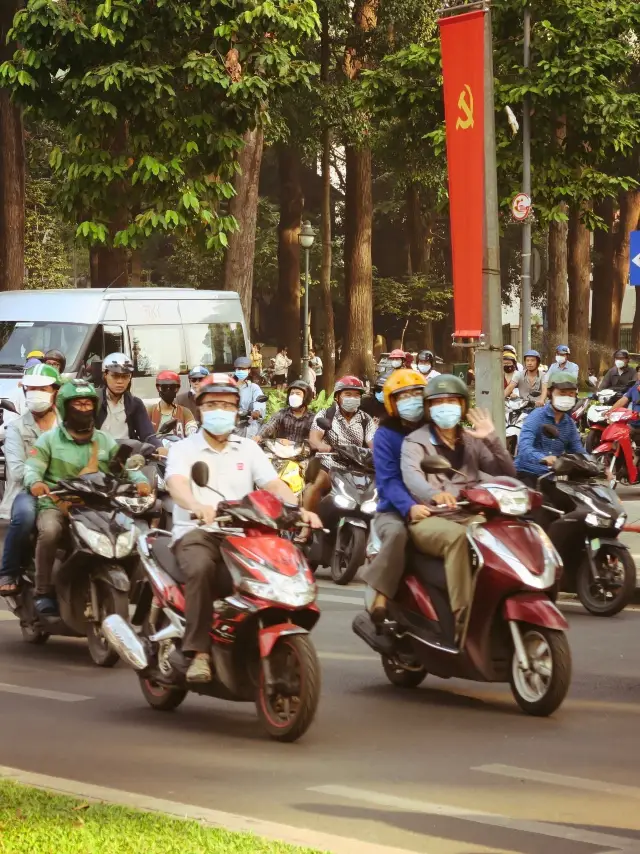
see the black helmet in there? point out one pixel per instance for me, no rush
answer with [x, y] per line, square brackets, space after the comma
[446, 385]
[425, 356]
[382, 378]
[619, 354]
[56, 356]
[563, 380]
[302, 386]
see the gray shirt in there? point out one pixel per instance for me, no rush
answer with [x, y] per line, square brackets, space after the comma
[524, 386]
[20, 437]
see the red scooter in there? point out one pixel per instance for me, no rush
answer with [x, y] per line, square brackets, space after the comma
[513, 632]
[616, 450]
[260, 646]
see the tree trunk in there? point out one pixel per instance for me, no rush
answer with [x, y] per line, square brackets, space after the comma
[136, 268]
[12, 171]
[329, 348]
[94, 272]
[420, 236]
[579, 272]
[238, 261]
[357, 353]
[602, 293]
[291, 207]
[557, 298]
[629, 215]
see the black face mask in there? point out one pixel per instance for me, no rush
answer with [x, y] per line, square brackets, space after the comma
[80, 422]
[168, 393]
[509, 369]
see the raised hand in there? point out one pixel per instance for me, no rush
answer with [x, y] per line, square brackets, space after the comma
[480, 422]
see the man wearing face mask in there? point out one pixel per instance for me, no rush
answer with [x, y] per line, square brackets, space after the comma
[561, 364]
[40, 386]
[73, 448]
[426, 361]
[472, 453]
[621, 376]
[292, 422]
[373, 404]
[168, 386]
[538, 452]
[249, 393]
[236, 466]
[396, 358]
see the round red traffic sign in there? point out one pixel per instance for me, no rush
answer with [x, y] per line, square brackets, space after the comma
[521, 207]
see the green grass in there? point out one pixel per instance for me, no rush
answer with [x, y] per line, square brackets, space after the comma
[35, 822]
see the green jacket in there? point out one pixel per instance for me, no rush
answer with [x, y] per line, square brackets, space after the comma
[56, 456]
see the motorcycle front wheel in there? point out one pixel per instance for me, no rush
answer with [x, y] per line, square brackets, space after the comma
[541, 690]
[349, 553]
[288, 709]
[110, 601]
[614, 588]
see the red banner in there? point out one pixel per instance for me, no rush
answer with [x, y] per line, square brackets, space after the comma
[462, 40]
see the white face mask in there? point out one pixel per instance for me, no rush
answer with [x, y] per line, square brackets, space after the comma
[561, 359]
[296, 401]
[395, 363]
[424, 368]
[619, 364]
[38, 401]
[563, 403]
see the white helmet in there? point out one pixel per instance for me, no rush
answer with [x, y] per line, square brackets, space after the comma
[117, 363]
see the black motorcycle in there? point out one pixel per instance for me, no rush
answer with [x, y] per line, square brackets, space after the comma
[346, 513]
[91, 577]
[583, 518]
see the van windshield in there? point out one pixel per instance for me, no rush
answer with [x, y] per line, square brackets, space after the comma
[20, 337]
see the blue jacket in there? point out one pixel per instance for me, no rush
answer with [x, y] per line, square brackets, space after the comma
[393, 496]
[534, 446]
[138, 421]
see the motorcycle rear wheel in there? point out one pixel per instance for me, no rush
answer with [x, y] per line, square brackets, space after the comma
[541, 690]
[286, 717]
[349, 553]
[401, 676]
[111, 601]
[160, 697]
[600, 599]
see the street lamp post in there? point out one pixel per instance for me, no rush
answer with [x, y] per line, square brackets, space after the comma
[306, 238]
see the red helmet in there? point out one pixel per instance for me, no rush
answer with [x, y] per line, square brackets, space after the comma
[348, 383]
[397, 354]
[218, 384]
[167, 378]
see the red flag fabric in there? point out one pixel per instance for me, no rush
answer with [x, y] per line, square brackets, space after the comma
[462, 42]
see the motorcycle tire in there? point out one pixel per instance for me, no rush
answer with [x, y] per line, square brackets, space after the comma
[512, 445]
[31, 634]
[160, 697]
[530, 699]
[594, 437]
[402, 677]
[349, 553]
[274, 712]
[585, 584]
[111, 601]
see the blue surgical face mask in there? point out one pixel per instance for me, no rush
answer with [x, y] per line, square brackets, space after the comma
[446, 415]
[241, 374]
[380, 397]
[411, 408]
[218, 422]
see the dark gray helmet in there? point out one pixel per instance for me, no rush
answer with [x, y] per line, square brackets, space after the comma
[563, 380]
[446, 385]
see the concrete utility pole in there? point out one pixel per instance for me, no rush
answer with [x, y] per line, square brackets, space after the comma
[525, 299]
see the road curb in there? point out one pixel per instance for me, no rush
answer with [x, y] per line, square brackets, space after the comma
[286, 833]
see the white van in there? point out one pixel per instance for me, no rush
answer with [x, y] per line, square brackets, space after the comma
[159, 328]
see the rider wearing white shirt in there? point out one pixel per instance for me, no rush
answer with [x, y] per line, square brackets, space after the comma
[425, 363]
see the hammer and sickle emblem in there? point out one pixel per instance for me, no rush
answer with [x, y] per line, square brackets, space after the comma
[465, 103]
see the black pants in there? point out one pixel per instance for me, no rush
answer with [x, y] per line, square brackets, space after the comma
[198, 556]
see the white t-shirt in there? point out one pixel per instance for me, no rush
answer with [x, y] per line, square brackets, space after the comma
[235, 471]
[115, 424]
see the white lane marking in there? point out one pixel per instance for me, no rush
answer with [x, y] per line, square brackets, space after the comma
[42, 693]
[342, 600]
[556, 831]
[286, 833]
[6, 616]
[561, 780]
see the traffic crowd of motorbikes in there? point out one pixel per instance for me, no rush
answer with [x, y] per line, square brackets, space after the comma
[183, 536]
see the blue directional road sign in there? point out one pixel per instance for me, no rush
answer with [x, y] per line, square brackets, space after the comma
[634, 259]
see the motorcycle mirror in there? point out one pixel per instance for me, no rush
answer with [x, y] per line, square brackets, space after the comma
[435, 465]
[551, 431]
[135, 462]
[262, 399]
[121, 456]
[169, 427]
[95, 370]
[6, 404]
[200, 474]
[535, 393]
[324, 424]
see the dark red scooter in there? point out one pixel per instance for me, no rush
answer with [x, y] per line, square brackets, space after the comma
[514, 633]
[260, 645]
[616, 451]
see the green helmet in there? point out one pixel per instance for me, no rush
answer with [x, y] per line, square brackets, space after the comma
[563, 380]
[74, 390]
[40, 376]
[446, 385]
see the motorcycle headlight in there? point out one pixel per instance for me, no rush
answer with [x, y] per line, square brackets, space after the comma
[592, 519]
[136, 503]
[125, 542]
[512, 502]
[622, 518]
[98, 543]
[344, 501]
[295, 591]
[369, 507]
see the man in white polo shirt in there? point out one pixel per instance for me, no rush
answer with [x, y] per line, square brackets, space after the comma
[236, 467]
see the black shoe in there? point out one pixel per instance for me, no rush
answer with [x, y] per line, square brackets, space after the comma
[46, 606]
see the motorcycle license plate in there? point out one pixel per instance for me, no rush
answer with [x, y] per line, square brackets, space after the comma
[595, 545]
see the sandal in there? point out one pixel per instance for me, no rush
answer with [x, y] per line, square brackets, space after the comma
[8, 585]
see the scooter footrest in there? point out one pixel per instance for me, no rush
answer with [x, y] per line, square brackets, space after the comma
[366, 629]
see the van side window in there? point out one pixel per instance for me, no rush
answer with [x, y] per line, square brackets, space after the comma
[157, 348]
[215, 345]
[106, 339]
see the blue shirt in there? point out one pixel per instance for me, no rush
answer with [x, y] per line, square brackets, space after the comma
[534, 446]
[567, 368]
[393, 495]
[634, 398]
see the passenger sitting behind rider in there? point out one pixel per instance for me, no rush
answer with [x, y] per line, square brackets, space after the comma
[67, 451]
[472, 453]
[236, 466]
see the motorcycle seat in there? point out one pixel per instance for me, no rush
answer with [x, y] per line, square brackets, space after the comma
[161, 550]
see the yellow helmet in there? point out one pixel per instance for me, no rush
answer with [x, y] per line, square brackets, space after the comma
[402, 379]
[507, 354]
[35, 354]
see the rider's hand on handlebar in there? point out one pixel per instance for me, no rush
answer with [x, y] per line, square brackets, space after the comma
[310, 518]
[162, 452]
[143, 489]
[548, 461]
[540, 402]
[419, 512]
[256, 415]
[445, 498]
[325, 449]
[206, 513]
[39, 489]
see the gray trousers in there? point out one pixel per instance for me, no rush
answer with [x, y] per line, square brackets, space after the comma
[52, 525]
[385, 571]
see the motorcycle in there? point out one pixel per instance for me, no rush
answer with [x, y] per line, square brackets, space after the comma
[289, 461]
[260, 644]
[583, 518]
[513, 632]
[91, 580]
[346, 513]
[8, 406]
[245, 421]
[616, 450]
[516, 411]
[596, 416]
